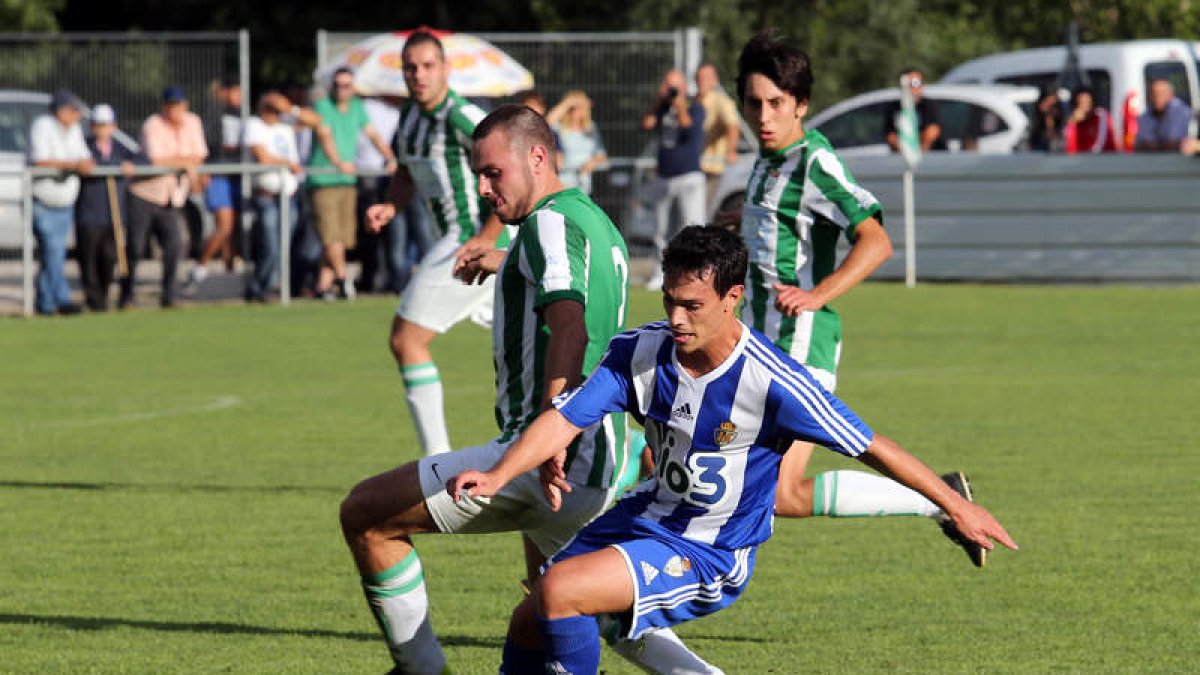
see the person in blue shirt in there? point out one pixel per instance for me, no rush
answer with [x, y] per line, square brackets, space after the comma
[721, 404]
[678, 126]
[1164, 125]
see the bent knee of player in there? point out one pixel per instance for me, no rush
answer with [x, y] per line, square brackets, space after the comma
[557, 594]
[523, 626]
[383, 506]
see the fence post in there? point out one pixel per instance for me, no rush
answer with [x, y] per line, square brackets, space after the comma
[285, 241]
[27, 242]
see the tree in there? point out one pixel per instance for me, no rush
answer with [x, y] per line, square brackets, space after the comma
[30, 15]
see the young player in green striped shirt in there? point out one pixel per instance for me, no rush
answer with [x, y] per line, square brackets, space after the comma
[433, 147]
[560, 296]
[799, 200]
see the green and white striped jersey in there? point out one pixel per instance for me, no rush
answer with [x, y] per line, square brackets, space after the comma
[567, 249]
[798, 200]
[435, 146]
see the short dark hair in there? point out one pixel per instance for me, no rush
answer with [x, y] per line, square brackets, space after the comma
[783, 64]
[423, 37]
[700, 248]
[1082, 89]
[530, 95]
[521, 123]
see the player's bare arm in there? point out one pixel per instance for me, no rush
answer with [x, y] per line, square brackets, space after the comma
[474, 249]
[400, 193]
[871, 248]
[975, 522]
[548, 436]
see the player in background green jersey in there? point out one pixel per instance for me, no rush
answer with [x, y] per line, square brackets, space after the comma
[433, 146]
[799, 200]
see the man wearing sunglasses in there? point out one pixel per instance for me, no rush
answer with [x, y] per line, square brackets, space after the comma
[927, 117]
[334, 195]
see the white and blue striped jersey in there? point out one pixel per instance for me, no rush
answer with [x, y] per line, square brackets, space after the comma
[718, 439]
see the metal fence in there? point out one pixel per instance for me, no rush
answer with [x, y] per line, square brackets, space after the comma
[127, 70]
[620, 73]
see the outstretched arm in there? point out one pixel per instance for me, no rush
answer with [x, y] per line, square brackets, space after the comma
[549, 435]
[975, 522]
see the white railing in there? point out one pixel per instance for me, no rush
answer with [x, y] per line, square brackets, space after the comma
[27, 174]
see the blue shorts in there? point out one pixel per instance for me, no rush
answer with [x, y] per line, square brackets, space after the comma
[223, 192]
[674, 579]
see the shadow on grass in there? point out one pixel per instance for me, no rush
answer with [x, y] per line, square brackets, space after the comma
[90, 623]
[169, 487]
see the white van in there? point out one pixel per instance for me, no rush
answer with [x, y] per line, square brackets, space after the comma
[1119, 73]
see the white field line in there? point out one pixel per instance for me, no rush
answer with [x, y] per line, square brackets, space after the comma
[219, 403]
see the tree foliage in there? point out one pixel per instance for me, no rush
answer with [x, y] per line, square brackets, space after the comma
[30, 15]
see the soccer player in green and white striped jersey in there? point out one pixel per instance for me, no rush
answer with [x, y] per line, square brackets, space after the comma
[799, 200]
[433, 147]
[561, 293]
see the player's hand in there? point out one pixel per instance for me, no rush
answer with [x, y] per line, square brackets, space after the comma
[554, 480]
[476, 260]
[472, 484]
[730, 220]
[379, 215]
[980, 526]
[792, 300]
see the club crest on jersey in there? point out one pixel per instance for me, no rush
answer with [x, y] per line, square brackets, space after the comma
[677, 566]
[724, 434]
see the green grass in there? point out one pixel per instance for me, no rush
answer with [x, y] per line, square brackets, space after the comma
[169, 485]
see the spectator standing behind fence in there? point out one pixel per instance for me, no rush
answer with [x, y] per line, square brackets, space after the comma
[581, 149]
[223, 192]
[99, 199]
[1164, 125]
[1089, 129]
[721, 128]
[334, 195]
[679, 125]
[171, 138]
[56, 141]
[1045, 134]
[928, 121]
[272, 141]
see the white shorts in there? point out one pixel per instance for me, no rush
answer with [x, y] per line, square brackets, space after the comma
[436, 300]
[520, 506]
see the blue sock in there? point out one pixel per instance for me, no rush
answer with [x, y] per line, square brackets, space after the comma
[518, 660]
[572, 644]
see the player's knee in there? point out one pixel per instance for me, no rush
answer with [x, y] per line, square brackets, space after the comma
[523, 626]
[555, 597]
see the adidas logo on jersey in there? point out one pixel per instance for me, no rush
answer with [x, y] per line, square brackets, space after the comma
[649, 572]
[684, 411]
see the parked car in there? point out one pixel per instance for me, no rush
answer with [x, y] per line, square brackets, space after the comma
[1118, 72]
[985, 119]
[18, 110]
[993, 119]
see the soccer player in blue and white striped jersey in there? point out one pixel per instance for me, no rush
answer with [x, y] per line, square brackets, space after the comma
[721, 404]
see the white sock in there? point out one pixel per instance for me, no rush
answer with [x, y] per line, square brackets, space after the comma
[423, 391]
[856, 493]
[660, 651]
[397, 598]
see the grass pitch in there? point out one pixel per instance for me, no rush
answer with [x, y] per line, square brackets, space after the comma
[169, 485]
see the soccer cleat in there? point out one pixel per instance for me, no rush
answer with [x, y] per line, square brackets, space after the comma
[958, 482]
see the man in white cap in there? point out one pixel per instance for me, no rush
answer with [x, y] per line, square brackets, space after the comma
[95, 243]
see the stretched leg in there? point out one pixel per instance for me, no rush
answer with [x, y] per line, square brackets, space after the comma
[422, 383]
[378, 518]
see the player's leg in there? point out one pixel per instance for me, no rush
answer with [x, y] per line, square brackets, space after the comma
[378, 518]
[410, 342]
[432, 303]
[569, 597]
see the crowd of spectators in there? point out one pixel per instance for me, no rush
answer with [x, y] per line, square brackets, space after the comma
[1080, 125]
[114, 218]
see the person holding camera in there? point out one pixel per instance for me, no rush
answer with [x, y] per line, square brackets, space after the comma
[679, 125]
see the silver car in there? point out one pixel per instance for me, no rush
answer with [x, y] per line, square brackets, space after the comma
[991, 119]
